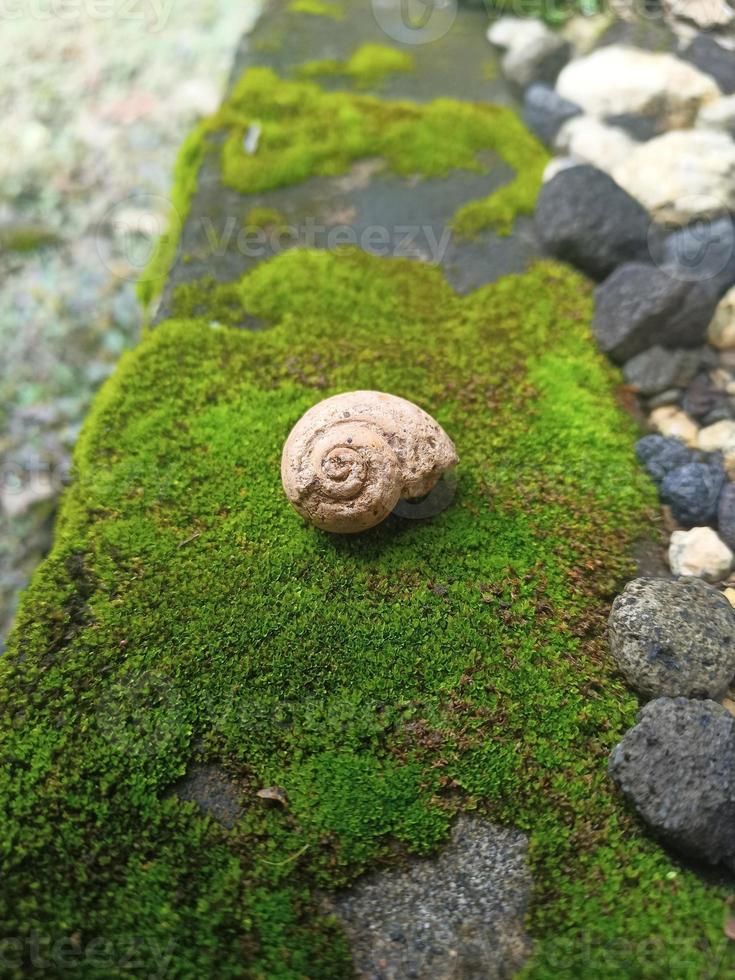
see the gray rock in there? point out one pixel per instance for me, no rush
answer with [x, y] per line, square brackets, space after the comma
[640, 305]
[584, 218]
[640, 128]
[677, 769]
[705, 403]
[703, 252]
[459, 915]
[545, 111]
[712, 58]
[726, 515]
[661, 454]
[692, 492]
[658, 369]
[673, 638]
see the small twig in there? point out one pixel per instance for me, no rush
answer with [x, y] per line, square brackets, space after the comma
[188, 540]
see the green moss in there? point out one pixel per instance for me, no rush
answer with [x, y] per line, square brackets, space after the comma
[186, 615]
[307, 132]
[317, 8]
[370, 65]
[186, 172]
[261, 218]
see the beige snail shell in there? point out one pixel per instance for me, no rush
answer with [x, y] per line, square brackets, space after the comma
[350, 459]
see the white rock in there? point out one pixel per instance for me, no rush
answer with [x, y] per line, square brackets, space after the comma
[619, 79]
[590, 140]
[529, 45]
[721, 332]
[716, 437]
[700, 552]
[719, 114]
[681, 175]
[583, 31]
[671, 421]
[706, 14]
[729, 594]
[514, 32]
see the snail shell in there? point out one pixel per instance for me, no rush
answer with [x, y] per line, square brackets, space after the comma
[350, 459]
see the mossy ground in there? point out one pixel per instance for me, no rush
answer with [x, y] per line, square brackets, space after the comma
[385, 681]
[308, 132]
[369, 65]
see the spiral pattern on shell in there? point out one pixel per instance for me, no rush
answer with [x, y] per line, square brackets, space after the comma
[350, 459]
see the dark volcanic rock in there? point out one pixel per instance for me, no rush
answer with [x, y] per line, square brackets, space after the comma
[661, 454]
[706, 403]
[673, 638]
[677, 768]
[545, 111]
[703, 252]
[712, 58]
[586, 219]
[692, 492]
[641, 128]
[658, 369]
[726, 515]
[640, 305]
[460, 915]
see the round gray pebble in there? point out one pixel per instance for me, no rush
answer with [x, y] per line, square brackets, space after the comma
[673, 638]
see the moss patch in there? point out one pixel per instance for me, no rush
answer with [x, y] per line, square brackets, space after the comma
[370, 65]
[307, 132]
[186, 173]
[186, 616]
[259, 219]
[24, 239]
[317, 8]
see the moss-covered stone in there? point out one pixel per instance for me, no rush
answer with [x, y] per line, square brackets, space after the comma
[186, 616]
[317, 8]
[368, 66]
[308, 132]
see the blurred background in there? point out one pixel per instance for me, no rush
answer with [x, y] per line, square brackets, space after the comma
[96, 97]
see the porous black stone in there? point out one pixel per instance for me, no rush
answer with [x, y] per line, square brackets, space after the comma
[661, 454]
[692, 491]
[677, 769]
[583, 217]
[640, 305]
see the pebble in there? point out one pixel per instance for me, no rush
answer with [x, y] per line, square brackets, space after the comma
[673, 638]
[717, 437]
[714, 59]
[660, 454]
[721, 332]
[594, 142]
[584, 218]
[533, 52]
[726, 515]
[719, 114]
[703, 251]
[677, 769]
[659, 369]
[692, 492]
[545, 111]
[682, 175]
[618, 79]
[701, 553]
[639, 305]
[671, 421]
[729, 594]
